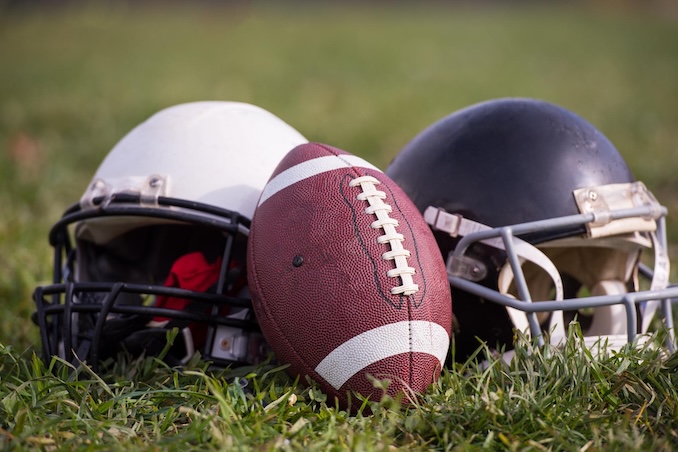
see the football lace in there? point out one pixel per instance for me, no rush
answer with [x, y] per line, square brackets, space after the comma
[398, 253]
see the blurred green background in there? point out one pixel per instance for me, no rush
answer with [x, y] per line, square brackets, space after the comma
[75, 77]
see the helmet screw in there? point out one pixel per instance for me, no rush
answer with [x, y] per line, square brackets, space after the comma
[593, 195]
[297, 261]
[154, 182]
[225, 344]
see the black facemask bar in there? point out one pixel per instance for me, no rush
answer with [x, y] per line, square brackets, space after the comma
[59, 304]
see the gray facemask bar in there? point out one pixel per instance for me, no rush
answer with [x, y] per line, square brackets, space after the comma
[507, 236]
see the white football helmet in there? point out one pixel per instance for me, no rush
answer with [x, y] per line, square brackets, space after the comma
[160, 239]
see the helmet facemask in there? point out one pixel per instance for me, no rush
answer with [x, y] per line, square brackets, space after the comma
[122, 289]
[601, 267]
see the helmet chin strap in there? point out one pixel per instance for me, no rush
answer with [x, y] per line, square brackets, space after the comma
[556, 324]
[607, 321]
[660, 280]
[518, 252]
[456, 225]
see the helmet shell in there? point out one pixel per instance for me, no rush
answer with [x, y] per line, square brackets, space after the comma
[508, 161]
[214, 152]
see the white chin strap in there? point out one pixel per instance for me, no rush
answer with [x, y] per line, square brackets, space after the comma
[609, 320]
[456, 225]
[660, 280]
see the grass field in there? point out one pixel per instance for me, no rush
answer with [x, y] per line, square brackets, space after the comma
[74, 81]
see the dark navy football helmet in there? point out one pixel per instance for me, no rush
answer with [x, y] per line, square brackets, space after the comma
[541, 222]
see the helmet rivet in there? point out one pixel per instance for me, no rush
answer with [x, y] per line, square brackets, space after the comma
[225, 344]
[154, 182]
[593, 195]
[297, 261]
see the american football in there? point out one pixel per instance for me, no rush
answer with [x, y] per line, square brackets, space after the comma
[347, 281]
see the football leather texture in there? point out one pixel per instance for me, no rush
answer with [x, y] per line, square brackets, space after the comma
[347, 281]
